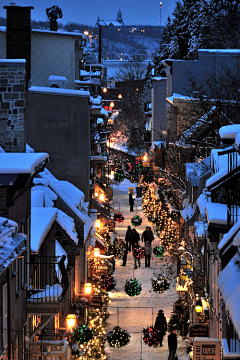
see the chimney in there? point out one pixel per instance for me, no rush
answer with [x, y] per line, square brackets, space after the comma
[19, 34]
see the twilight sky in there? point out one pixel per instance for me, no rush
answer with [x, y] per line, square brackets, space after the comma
[134, 12]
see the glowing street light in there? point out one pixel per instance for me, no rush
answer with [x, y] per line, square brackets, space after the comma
[87, 288]
[71, 320]
[112, 104]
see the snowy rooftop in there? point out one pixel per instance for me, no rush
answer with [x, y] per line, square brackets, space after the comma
[42, 218]
[12, 243]
[177, 96]
[229, 131]
[21, 163]
[216, 213]
[229, 285]
[226, 237]
[58, 91]
[71, 196]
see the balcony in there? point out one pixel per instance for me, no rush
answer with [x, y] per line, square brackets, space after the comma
[48, 285]
[91, 74]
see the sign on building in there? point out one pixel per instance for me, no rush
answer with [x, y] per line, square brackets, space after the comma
[206, 348]
[198, 330]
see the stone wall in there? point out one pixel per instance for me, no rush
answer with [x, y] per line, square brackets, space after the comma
[13, 105]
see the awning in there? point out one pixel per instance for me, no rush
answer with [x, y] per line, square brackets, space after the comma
[229, 285]
[106, 213]
[99, 243]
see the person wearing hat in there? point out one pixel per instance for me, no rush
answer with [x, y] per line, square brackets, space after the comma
[172, 343]
[161, 325]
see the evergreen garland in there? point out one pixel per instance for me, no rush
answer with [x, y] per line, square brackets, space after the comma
[160, 284]
[82, 334]
[150, 336]
[158, 251]
[133, 287]
[136, 220]
[118, 337]
[107, 282]
[138, 252]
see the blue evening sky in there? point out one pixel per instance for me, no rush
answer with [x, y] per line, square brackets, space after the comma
[134, 12]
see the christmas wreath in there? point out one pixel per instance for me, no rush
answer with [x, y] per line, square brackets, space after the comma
[118, 337]
[133, 287]
[119, 217]
[151, 336]
[82, 334]
[107, 282]
[119, 175]
[160, 284]
[158, 251]
[136, 220]
[138, 252]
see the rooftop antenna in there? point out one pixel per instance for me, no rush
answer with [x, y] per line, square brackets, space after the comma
[53, 14]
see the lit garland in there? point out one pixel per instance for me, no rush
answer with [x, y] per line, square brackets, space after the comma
[160, 284]
[118, 337]
[118, 252]
[151, 336]
[95, 348]
[119, 217]
[138, 252]
[107, 282]
[133, 287]
[136, 220]
[119, 175]
[158, 251]
[82, 334]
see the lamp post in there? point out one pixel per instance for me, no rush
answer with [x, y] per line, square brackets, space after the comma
[160, 11]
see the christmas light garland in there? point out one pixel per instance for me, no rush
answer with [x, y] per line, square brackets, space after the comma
[158, 251]
[160, 284]
[82, 334]
[138, 252]
[136, 220]
[151, 336]
[133, 287]
[119, 217]
[107, 282]
[118, 337]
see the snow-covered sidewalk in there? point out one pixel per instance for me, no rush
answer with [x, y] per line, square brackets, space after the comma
[135, 313]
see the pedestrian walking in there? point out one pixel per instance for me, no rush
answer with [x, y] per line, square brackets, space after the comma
[161, 326]
[148, 253]
[135, 236]
[128, 238]
[124, 251]
[172, 344]
[131, 201]
[147, 235]
[136, 259]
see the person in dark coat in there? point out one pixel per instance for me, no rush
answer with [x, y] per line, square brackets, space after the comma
[124, 251]
[147, 235]
[172, 344]
[135, 236]
[128, 238]
[131, 201]
[148, 253]
[161, 325]
[136, 260]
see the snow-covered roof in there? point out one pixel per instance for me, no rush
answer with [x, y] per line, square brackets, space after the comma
[71, 196]
[216, 213]
[58, 91]
[96, 100]
[229, 131]
[226, 237]
[42, 218]
[197, 128]
[188, 211]
[177, 96]
[67, 223]
[12, 243]
[108, 22]
[199, 169]
[21, 163]
[14, 61]
[199, 229]
[60, 32]
[229, 285]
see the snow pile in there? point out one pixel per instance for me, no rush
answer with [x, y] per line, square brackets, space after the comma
[124, 186]
[49, 294]
[67, 223]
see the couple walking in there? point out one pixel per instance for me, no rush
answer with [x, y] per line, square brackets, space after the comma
[161, 326]
[132, 239]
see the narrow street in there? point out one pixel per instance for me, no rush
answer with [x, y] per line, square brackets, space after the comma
[133, 314]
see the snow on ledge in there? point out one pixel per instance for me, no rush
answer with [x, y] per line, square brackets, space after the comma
[229, 131]
[216, 213]
[21, 163]
[58, 91]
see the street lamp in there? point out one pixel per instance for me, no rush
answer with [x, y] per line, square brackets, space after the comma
[96, 252]
[87, 288]
[112, 104]
[71, 320]
[198, 306]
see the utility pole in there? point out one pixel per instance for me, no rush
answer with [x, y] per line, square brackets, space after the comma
[160, 11]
